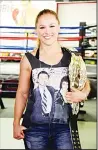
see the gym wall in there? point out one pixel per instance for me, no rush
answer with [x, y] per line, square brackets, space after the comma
[72, 13]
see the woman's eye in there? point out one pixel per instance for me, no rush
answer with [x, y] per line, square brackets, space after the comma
[41, 27]
[52, 26]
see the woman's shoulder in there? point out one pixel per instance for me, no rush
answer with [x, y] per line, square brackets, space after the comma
[24, 59]
[29, 58]
[29, 55]
[34, 51]
[69, 49]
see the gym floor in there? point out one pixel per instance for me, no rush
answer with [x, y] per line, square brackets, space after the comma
[86, 125]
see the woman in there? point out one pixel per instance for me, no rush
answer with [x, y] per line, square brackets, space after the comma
[38, 129]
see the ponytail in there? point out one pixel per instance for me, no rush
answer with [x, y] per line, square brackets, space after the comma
[38, 43]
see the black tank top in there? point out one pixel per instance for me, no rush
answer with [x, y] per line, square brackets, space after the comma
[46, 101]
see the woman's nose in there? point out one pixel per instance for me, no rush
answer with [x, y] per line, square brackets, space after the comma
[47, 30]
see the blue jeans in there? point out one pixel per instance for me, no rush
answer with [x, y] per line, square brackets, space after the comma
[48, 137]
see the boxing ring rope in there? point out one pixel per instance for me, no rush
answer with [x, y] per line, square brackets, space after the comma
[16, 52]
[28, 35]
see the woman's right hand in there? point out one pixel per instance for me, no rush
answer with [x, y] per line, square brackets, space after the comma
[18, 132]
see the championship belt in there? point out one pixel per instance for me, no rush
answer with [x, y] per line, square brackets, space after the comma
[77, 77]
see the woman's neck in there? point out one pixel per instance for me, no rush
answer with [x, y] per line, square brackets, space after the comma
[47, 53]
[54, 48]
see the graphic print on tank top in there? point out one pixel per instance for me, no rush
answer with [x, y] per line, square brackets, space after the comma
[50, 87]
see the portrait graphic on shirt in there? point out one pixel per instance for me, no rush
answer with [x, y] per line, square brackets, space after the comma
[61, 108]
[51, 86]
[64, 87]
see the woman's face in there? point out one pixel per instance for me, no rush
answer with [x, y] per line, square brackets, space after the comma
[47, 29]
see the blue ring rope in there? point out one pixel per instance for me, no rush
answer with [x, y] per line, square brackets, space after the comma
[16, 48]
[22, 48]
[14, 27]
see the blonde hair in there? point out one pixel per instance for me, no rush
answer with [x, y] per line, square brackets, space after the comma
[43, 12]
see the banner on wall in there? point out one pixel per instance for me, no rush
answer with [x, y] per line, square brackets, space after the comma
[20, 14]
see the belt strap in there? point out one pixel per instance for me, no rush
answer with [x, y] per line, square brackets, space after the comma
[75, 133]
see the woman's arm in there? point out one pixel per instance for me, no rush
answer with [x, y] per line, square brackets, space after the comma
[22, 93]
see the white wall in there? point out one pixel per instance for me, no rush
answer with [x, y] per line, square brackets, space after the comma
[72, 13]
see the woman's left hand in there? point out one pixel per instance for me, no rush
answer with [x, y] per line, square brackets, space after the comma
[75, 96]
